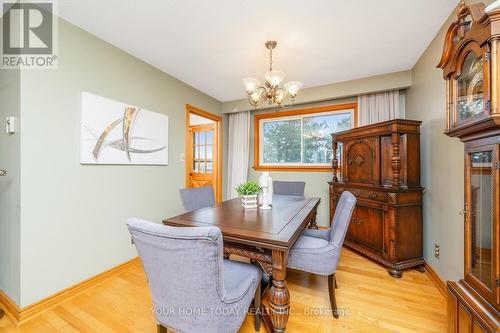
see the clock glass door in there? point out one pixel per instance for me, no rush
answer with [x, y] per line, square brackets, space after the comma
[470, 89]
[480, 236]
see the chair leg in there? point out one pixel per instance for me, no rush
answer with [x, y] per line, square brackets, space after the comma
[335, 280]
[256, 303]
[161, 329]
[331, 292]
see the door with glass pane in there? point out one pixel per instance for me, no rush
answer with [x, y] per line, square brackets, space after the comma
[481, 232]
[202, 160]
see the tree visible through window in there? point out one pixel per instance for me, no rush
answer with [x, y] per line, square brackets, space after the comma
[302, 139]
[282, 141]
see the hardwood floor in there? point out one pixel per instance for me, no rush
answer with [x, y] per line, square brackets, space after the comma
[373, 302]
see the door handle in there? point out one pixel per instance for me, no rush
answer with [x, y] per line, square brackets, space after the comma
[3, 173]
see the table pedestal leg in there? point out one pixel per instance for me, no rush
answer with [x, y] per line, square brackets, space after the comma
[313, 224]
[280, 297]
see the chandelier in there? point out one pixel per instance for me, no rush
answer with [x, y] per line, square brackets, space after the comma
[271, 92]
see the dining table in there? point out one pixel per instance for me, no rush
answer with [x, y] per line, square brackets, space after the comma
[265, 236]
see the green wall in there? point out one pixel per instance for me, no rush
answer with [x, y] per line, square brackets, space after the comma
[73, 216]
[10, 159]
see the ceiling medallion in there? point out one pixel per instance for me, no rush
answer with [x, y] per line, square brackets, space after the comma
[271, 92]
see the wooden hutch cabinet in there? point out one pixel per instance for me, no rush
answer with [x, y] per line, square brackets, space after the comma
[471, 69]
[380, 165]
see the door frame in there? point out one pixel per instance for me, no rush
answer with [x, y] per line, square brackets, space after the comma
[190, 109]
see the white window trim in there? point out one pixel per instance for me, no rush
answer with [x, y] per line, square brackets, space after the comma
[296, 117]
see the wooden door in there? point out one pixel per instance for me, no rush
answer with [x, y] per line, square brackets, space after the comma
[202, 160]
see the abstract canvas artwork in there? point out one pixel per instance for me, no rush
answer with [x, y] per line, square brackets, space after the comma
[117, 133]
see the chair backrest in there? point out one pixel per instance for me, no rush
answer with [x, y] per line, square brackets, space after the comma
[341, 218]
[197, 198]
[184, 267]
[295, 189]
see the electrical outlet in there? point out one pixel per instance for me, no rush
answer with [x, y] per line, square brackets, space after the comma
[436, 250]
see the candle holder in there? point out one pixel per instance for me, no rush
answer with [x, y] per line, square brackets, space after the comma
[265, 183]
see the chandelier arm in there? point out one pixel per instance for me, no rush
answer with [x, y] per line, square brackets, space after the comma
[262, 92]
[269, 92]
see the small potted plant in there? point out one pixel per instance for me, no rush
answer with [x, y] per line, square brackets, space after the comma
[248, 191]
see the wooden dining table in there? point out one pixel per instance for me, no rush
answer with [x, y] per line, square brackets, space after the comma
[263, 236]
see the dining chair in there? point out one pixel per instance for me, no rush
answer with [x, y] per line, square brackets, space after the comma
[295, 189]
[197, 197]
[193, 289]
[318, 250]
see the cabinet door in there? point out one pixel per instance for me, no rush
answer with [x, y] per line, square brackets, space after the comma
[362, 161]
[464, 320]
[368, 226]
[481, 222]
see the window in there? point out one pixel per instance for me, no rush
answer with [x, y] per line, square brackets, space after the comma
[300, 139]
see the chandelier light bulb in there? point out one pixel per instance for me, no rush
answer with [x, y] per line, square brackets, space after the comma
[250, 84]
[274, 78]
[280, 96]
[293, 87]
[255, 97]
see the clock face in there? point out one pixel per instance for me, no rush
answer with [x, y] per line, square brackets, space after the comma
[470, 88]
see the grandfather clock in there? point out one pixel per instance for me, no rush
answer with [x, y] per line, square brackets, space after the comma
[471, 69]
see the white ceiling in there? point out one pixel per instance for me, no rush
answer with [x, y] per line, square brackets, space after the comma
[212, 44]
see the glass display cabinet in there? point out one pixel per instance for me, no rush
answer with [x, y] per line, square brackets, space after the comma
[471, 69]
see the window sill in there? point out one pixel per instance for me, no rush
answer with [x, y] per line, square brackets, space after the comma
[293, 168]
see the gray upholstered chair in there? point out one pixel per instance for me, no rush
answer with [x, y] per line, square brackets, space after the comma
[318, 251]
[193, 288]
[197, 197]
[295, 189]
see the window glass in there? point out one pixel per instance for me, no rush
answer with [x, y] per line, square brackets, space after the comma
[317, 136]
[302, 140]
[282, 141]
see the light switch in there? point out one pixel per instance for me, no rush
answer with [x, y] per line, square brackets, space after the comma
[10, 123]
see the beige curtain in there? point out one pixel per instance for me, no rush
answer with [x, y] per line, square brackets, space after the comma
[374, 108]
[238, 151]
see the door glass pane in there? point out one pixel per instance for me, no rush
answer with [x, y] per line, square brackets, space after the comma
[470, 88]
[195, 152]
[317, 135]
[209, 138]
[202, 138]
[481, 215]
[195, 166]
[209, 152]
[196, 138]
[209, 167]
[281, 141]
[202, 166]
[202, 152]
